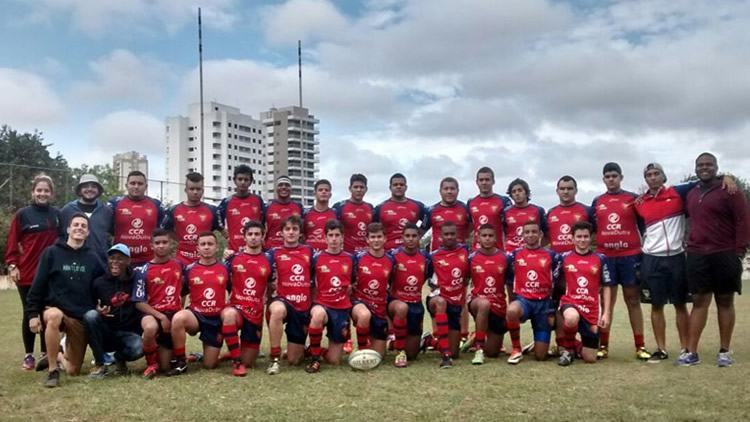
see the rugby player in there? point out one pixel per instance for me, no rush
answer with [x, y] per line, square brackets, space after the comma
[412, 268]
[522, 211]
[291, 298]
[355, 214]
[332, 305]
[487, 207]
[249, 272]
[241, 207]
[278, 210]
[396, 211]
[316, 217]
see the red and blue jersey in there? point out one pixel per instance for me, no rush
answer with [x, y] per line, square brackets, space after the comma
[439, 214]
[488, 275]
[514, 217]
[617, 224]
[584, 275]
[355, 218]
[133, 223]
[394, 215]
[276, 213]
[249, 275]
[188, 222]
[32, 230]
[487, 210]
[560, 221]
[235, 211]
[452, 271]
[333, 279]
[532, 272]
[372, 280]
[207, 285]
[410, 273]
[294, 271]
[160, 285]
[314, 222]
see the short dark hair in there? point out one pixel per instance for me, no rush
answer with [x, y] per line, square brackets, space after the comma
[375, 228]
[321, 182]
[448, 224]
[567, 178]
[706, 154]
[243, 169]
[357, 177]
[251, 224]
[486, 169]
[411, 226]
[294, 220]
[449, 180]
[583, 225]
[194, 177]
[208, 234]
[610, 167]
[158, 232]
[487, 226]
[532, 223]
[333, 224]
[136, 173]
[396, 176]
[78, 215]
[523, 184]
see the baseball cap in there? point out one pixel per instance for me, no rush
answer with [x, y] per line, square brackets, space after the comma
[119, 247]
[655, 166]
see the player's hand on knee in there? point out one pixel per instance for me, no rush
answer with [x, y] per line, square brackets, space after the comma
[35, 325]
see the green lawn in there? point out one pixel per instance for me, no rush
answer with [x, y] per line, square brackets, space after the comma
[619, 388]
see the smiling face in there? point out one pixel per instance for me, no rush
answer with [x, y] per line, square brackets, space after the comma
[78, 229]
[283, 191]
[89, 191]
[117, 263]
[42, 193]
[706, 168]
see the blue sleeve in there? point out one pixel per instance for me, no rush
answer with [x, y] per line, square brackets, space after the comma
[337, 209]
[542, 219]
[376, 213]
[185, 281]
[429, 270]
[683, 189]
[606, 279]
[222, 210]
[167, 222]
[426, 223]
[262, 210]
[468, 213]
[506, 201]
[272, 275]
[422, 210]
[509, 271]
[592, 213]
[228, 265]
[139, 285]
[217, 223]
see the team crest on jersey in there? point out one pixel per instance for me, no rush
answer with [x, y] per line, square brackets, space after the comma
[474, 209]
[442, 263]
[494, 208]
[602, 207]
[413, 214]
[235, 211]
[284, 257]
[149, 211]
[421, 267]
[240, 268]
[365, 270]
[180, 218]
[401, 267]
[521, 262]
[438, 218]
[324, 269]
[196, 281]
[125, 211]
[594, 269]
[554, 219]
[577, 217]
[157, 280]
[459, 217]
[351, 215]
[177, 274]
[571, 268]
[345, 268]
[390, 212]
[543, 261]
[478, 269]
[500, 268]
[202, 217]
[461, 258]
[511, 220]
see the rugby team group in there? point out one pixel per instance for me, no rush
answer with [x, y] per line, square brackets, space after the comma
[107, 275]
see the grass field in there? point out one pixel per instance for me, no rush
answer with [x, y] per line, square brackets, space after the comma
[619, 388]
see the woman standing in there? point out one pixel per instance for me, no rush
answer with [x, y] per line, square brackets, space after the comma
[32, 230]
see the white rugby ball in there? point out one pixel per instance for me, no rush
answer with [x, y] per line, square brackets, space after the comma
[364, 360]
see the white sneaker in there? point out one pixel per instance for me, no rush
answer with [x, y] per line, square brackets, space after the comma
[478, 357]
[274, 367]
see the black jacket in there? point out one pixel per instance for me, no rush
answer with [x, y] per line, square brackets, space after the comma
[115, 293]
[63, 280]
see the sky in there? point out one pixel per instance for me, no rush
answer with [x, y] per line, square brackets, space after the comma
[431, 88]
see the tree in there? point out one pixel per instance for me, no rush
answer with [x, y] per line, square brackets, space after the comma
[23, 156]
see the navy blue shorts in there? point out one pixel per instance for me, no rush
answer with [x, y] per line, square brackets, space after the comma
[589, 338]
[414, 318]
[495, 323]
[164, 339]
[453, 311]
[337, 327]
[251, 333]
[378, 325]
[623, 270]
[538, 311]
[296, 323]
[210, 329]
[665, 278]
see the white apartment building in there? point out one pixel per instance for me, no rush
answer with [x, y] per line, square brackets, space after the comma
[124, 163]
[292, 150]
[230, 139]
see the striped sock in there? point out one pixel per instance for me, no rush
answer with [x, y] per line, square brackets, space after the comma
[400, 329]
[230, 338]
[316, 336]
[441, 320]
[363, 337]
[151, 352]
[479, 338]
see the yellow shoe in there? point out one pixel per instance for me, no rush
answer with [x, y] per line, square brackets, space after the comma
[603, 352]
[642, 354]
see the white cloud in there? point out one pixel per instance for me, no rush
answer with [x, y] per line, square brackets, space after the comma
[124, 76]
[127, 130]
[27, 100]
[97, 18]
[302, 20]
